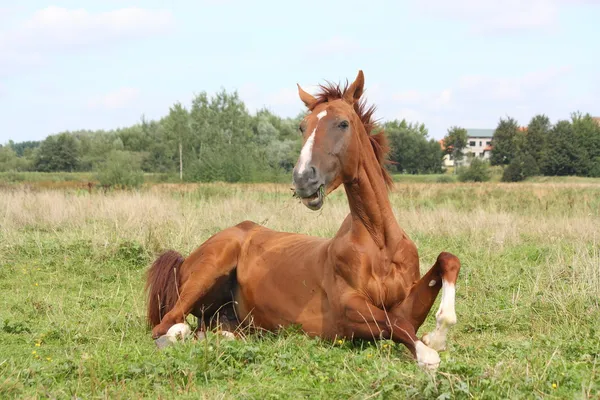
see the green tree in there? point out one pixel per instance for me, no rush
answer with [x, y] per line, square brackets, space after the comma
[121, 169]
[586, 136]
[536, 136]
[177, 125]
[522, 166]
[504, 142]
[561, 153]
[455, 143]
[411, 150]
[58, 153]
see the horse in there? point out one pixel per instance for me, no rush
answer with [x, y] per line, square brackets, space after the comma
[363, 283]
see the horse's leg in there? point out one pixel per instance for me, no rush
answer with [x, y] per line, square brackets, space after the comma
[366, 321]
[419, 301]
[206, 267]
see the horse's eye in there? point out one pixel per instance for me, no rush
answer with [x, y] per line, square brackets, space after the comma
[301, 128]
[343, 125]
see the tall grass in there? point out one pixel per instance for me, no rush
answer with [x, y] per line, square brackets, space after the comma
[72, 264]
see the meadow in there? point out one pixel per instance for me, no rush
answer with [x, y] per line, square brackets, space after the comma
[72, 316]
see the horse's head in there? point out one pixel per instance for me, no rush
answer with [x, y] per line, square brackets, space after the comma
[332, 141]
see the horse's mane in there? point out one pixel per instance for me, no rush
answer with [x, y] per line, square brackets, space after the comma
[379, 141]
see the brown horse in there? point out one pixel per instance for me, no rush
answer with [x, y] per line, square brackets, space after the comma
[362, 283]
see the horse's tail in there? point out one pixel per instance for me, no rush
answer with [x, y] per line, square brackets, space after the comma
[162, 285]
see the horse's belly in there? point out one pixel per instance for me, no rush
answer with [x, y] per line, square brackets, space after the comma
[280, 282]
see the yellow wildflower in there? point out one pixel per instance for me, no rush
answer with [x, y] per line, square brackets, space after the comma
[554, 386]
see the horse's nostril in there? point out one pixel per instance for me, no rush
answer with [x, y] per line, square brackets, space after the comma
[313, 172]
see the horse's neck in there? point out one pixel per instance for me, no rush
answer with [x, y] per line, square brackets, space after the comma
[370, 206]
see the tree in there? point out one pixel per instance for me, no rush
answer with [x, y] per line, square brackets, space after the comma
[411, 150]
[522, 166]
[586, 135]
[535, 138]
[561, 152]
[455, 143]
[121, 168]
[177, 124]
[504, 142]
[58, 153]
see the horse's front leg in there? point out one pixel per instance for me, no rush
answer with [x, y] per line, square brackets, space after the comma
[419, 301]
[366, 321]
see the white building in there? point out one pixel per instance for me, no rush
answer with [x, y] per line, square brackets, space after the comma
[478, 145]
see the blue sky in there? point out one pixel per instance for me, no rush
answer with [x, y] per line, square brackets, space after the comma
[70, 65]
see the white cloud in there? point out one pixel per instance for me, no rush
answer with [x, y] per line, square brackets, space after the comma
[54, 30]
[117, 99]
[490, 16]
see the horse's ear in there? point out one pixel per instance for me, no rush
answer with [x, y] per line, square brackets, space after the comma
[308, 99]
[355, 90]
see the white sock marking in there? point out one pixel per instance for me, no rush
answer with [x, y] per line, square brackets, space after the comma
[306, 153]
[445, 318]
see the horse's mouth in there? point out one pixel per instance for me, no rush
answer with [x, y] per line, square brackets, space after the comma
[314, 201]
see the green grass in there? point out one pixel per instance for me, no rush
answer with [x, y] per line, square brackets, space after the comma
[72, 311]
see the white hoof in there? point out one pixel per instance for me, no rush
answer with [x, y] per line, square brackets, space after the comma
[179, 331]
[427, 357]
[227, 335]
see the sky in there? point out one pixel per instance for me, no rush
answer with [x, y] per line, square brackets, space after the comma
[69, 65]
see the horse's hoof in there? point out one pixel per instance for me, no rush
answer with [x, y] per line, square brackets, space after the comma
[164, 341]
[227, 335]
[179, 331]
[427, 357]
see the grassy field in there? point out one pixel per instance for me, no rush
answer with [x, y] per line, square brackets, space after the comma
[72, 307]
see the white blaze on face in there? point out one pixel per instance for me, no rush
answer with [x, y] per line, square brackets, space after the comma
[306, 153]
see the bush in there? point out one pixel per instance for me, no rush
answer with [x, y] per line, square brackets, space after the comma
[478, 171]
[445, 179]
[521, 167]
[122, 169]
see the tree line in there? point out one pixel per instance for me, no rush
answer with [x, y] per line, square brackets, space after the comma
[569, 147]
[214, 139]
[217, 139]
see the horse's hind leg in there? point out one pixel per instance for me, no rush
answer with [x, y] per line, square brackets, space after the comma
[418, 303]
[207, 267]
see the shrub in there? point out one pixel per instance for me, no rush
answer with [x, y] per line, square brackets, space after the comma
[121, 168]
[445, 179]
[478, 171]
[521, 167]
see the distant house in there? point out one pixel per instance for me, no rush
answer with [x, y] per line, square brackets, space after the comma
[597, 120]
[478, 145]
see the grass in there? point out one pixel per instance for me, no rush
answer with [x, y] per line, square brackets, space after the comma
[72, 311]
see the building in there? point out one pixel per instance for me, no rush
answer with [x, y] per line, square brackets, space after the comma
[478, 145]
[597, 120]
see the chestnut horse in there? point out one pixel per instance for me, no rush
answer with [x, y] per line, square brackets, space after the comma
[362, 283]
